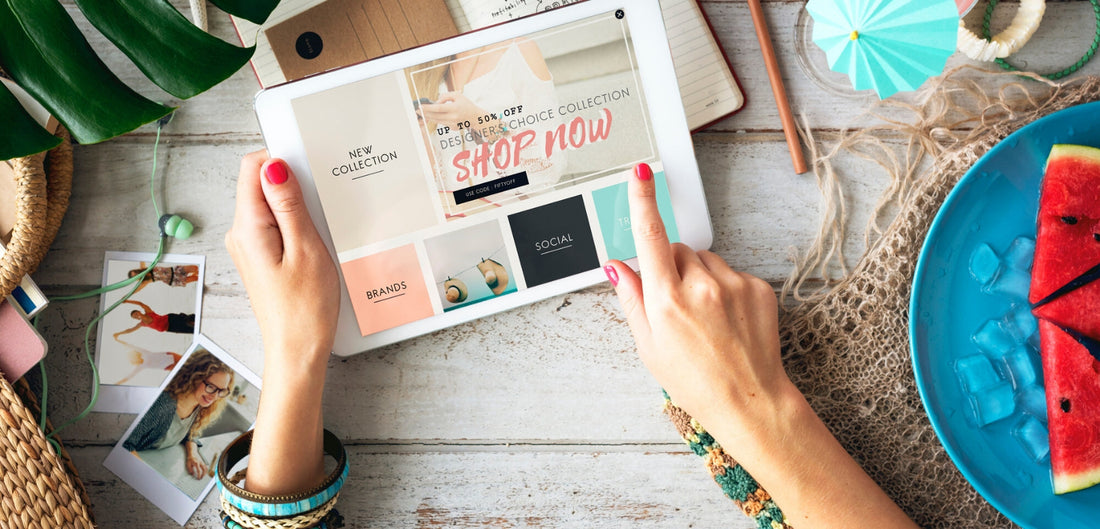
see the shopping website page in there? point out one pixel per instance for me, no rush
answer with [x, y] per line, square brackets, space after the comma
[483, 173]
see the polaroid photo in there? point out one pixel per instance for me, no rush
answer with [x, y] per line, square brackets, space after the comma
[171, 460]
[145, 337]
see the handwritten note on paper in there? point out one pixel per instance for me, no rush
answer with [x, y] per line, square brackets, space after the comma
[706, 83]
[483, 13]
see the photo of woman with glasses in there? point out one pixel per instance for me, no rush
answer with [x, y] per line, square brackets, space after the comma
[191, 402]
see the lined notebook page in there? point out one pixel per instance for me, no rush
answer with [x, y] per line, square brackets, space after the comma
[706, 83]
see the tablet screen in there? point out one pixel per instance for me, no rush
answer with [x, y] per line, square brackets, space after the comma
[484, 173]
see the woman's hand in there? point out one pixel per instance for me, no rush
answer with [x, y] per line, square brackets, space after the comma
[293, 286]
[708, 334]
[193, 463]
[451, 109]
[143, 306]
[286, 269]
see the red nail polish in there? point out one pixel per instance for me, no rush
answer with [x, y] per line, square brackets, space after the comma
[276, 173]
[643, 172]
[612, 275]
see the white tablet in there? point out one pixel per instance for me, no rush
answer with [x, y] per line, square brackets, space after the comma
[487, 171]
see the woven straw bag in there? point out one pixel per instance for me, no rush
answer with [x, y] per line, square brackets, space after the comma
[38, 488]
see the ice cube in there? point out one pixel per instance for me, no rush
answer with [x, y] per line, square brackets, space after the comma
[984, 264]
[1020, 253]
[1033, 342]
[1011, 283]
[1033, 400]
[1022, 367]
[1024, 322]
[1033, 436]
[993, 404]
[976, 373]
[994, 339]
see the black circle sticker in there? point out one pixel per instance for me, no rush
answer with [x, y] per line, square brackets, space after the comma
[309, 45]
[620, 14]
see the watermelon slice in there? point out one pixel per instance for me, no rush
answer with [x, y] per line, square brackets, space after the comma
[1073, 409]
[1065, 296]
[1067, 253]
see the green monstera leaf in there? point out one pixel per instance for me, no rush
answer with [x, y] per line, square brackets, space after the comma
[19, 124]
[42, 49]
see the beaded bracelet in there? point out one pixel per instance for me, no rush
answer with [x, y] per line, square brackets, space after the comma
[283, 505]
[1056, 75]
[735, 482]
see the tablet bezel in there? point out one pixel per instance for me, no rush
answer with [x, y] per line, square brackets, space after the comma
[669, 126]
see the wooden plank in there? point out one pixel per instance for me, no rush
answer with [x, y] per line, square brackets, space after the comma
[1066, 32]
[500, 486]
[541, 416]
[759, 210]
[225, 112]
[432, 387]
[563, 370]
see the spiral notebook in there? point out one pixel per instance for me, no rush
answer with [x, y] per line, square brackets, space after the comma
[304, 37]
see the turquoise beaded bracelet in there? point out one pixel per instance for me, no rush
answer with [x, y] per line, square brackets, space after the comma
[290, 508]
[1056, 75]
[272, 506]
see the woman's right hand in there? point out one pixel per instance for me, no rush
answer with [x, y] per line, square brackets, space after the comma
[708, 333]
[710, 337]
[451, 109]
[193, 463]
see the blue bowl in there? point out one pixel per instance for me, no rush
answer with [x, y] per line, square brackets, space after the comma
[994, 204]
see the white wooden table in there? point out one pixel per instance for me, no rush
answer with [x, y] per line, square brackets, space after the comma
[538, 417]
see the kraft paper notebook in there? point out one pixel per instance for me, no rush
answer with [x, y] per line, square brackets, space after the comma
[304, 37]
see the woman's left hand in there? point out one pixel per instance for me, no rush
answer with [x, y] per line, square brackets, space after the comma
[286, 269]
[294, 290]
[451, 109]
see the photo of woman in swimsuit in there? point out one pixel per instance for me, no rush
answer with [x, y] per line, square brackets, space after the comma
[160, 319]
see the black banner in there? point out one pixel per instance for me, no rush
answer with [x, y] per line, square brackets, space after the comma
[491, 188]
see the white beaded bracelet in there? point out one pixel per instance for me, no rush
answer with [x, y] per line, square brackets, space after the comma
[1008, 41]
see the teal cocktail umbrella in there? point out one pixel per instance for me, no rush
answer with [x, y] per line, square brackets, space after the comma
[886, 45]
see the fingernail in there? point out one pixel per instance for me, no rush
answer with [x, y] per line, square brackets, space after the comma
[276, 173]
[612, 275]
[643, 172]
